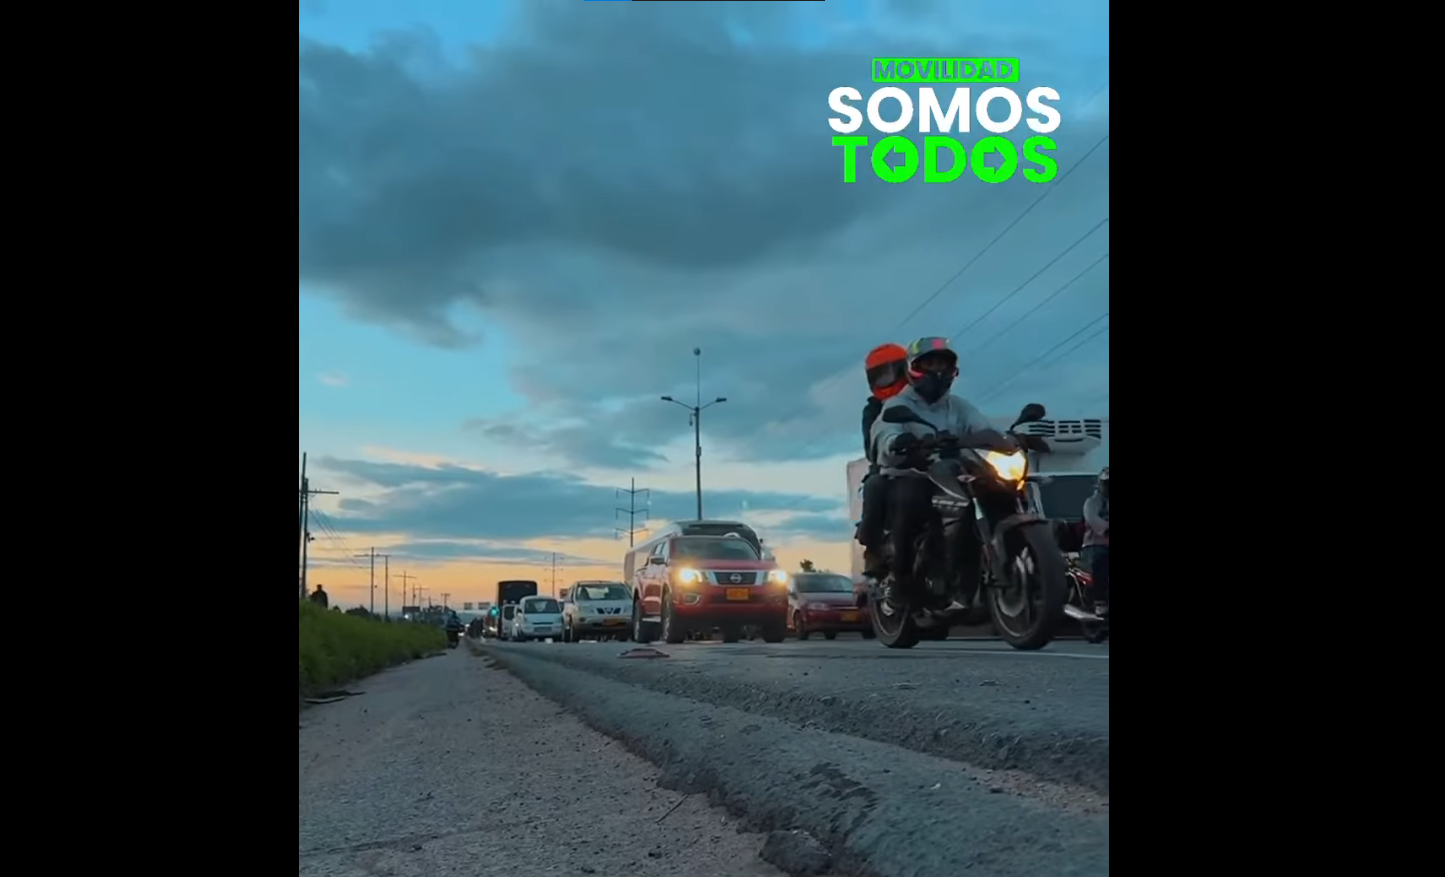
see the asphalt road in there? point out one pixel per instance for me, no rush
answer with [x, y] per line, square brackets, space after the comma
[953, 756]
[1045, 713]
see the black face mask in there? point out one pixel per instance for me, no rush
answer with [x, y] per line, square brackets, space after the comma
[933, 386]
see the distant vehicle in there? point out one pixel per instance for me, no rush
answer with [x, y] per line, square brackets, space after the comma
[514, 591]
[596, 608]
[683, 584]
[452, 622]
[504, 627]
[826, 603]
[537, 618]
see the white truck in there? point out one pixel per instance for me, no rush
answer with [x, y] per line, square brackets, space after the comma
[1078, 449]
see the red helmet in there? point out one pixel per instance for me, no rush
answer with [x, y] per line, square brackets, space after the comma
[887, 369]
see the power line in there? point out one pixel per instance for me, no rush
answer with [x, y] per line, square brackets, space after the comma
[1033, 310]
[304, 517]
[371, 580]
[1045, 355]
[632, 511]
[953, 339]
[1006, 229]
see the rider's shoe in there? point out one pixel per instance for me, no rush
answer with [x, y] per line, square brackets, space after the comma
[874, 567]
[894, 596]
[1101, 610]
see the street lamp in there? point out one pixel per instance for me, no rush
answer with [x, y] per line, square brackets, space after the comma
[696, 416]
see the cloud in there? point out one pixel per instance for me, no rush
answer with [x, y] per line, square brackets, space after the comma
[332, 379]
[489, 552]
[445, 506]
[615, 186]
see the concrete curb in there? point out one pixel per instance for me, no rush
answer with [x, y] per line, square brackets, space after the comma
[881, 811]
[973, 735]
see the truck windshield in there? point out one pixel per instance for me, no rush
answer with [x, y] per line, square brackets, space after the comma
[1064, 496]
[599, 592]
[704, 548]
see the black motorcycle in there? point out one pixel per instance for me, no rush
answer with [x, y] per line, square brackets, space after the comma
[1023, 583]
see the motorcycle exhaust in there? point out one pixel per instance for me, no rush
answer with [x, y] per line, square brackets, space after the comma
[1078, 614]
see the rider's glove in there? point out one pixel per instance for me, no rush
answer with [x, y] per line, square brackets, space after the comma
[946, 440]
[905, 445]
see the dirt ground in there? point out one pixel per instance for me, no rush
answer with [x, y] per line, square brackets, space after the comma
[449, 767]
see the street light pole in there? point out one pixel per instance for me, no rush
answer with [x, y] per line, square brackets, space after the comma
[696, 413]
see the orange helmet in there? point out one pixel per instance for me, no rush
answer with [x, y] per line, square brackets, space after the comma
[887, 370]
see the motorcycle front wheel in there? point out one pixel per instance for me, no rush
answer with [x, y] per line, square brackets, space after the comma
[1028, 605]
[896, 630]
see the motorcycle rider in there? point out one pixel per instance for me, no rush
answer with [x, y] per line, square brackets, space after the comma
[886, 368]
[1096, 542]
[932, 368]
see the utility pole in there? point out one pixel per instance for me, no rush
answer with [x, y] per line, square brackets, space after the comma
[305, 517]
[632, 511]
[415, 592]
[554, 575]
[386, 584]
[371, 553]
[696, 420]
[445, 595]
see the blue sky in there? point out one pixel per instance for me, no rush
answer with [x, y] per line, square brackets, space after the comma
[518, 219]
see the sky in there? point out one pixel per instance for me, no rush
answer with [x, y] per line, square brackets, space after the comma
[518, 220]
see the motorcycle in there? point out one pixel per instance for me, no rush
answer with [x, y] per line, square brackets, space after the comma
[1023, 585]
[1081, 606]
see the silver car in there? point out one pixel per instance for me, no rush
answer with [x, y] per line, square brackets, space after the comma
[596, 608]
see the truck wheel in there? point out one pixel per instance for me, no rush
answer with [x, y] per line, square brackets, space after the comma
[775, 633]
[799, 627]
[730, 634]
[642, 631]
[672, 632]
[830, 634]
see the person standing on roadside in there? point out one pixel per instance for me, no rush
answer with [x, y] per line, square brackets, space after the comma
[319, 597]
[1096, 542]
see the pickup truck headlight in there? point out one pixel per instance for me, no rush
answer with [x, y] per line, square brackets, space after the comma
[778, 576]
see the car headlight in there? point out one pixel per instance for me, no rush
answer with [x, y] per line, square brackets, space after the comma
[689, 576]
[778, 576]
[818, 606]
[1010, 467]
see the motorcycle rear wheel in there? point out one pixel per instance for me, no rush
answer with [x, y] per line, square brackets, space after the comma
[1028, 608]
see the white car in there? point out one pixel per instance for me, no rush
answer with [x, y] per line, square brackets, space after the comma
[596, 608]
[537, 618]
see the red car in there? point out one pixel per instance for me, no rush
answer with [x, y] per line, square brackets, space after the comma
[826, 603]
[694, 584]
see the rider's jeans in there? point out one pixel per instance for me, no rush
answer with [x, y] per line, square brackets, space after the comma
[1096, 560]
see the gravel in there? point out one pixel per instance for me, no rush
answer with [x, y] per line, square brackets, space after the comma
[448, 767]
[873, 808]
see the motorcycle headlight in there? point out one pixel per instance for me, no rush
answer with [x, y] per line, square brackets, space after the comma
[778, 576]
[1010, 467]
[689, 576]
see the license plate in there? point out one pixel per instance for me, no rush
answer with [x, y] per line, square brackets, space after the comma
[612, 622]
[850, 616]
[738, 593]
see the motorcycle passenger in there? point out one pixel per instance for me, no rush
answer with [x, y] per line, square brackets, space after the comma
[886, 368]
[932, 368]
[1096, 542]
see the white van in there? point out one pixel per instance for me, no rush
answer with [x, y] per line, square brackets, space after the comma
[537, 618]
